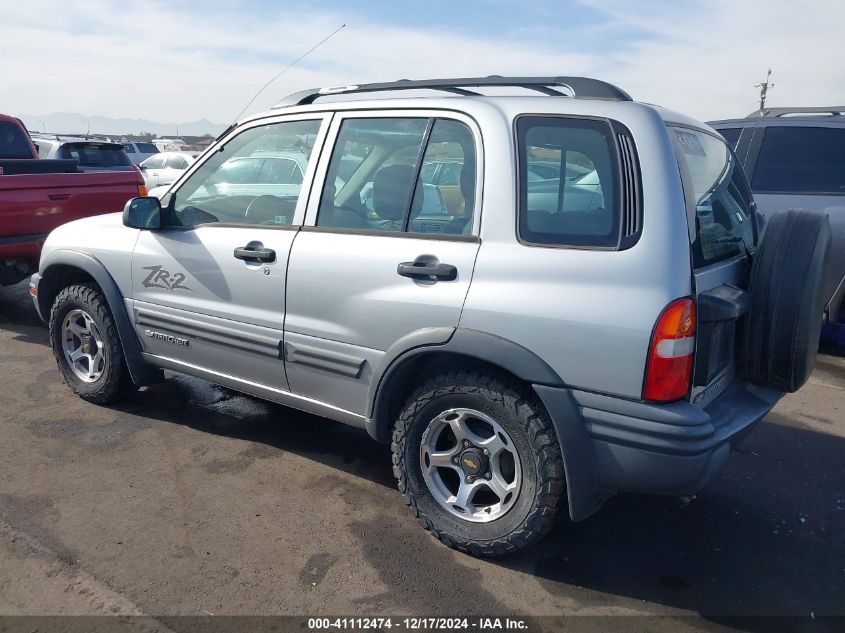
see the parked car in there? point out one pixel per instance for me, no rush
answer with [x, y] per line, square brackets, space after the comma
[165, 167]
[795, 158]
[139, 151]
[519, 360]
[36, 196]
[90, 154]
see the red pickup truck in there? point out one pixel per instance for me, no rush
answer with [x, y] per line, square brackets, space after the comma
[38, 195]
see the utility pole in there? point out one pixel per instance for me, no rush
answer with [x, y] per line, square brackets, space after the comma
[764, 89]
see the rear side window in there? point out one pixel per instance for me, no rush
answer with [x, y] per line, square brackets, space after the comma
[146, 148]
[801, 160]
[582, 207]
[731, 135]
[715, 187]
[12, 142]
[129, 148]
[96, 154]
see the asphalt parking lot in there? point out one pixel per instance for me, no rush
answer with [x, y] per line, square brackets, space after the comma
[192, 499]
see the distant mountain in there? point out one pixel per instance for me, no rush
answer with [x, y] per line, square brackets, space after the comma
[74, 123]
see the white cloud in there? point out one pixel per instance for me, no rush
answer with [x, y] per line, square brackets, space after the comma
[151, 60]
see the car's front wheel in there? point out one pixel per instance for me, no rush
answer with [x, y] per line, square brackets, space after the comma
[478, 462]
[85, 343]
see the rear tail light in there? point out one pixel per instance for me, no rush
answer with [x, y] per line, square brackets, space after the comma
[670, 353]
[142, 191]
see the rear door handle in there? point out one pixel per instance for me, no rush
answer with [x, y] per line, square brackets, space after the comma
[424, 270]
[253, 254]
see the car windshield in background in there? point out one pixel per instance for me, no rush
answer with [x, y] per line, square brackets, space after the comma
[96, 155]
[715, 186]
[801, 160]
[12, 142]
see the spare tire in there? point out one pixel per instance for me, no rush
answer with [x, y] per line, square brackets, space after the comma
[787, 299]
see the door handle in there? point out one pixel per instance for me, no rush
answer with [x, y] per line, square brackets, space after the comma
[255, 254]
[424, 270]
[58, 196]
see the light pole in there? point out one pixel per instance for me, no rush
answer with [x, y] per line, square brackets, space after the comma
[764, 89]
[43, 129]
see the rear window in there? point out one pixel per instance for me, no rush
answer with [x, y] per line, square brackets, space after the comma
[801, 160]
[717, 194]
[13, 143]
[146, 148]
[580, 209]
[96, 154]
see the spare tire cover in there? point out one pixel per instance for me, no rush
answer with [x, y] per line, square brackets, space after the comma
[787, 299]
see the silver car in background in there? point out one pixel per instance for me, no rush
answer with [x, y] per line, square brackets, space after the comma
[165, 168]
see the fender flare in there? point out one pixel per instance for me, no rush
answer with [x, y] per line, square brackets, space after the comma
[482, 346]
[142, 373]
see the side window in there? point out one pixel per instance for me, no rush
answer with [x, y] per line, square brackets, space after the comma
[154, 162]
[129, 148]
[12, 142]
[715, 186]
[226, 187]
[731, 135]
[801, 160]
[568, 185]
[281, 171]
[378, 194]
[176, 162]
[391, 187]
[446, 207]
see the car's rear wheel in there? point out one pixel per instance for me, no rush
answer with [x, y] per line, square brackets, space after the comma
[478, 462]
[85, 343]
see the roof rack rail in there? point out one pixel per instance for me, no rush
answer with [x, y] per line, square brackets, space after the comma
[776, 112]
[580, 87]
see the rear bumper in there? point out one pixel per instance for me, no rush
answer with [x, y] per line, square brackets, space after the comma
[623, 445]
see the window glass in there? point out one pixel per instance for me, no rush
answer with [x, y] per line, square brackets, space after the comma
[13, 143]
[176, 162]
[96, 154]
[153, 162]
[129, 148]
[715, 186]
[446, 206]
[580, 209]
[377, 195]
[801, 160]
[44, 148]
[279, 170]
[226, 187]
[146, 148]
[731, 135]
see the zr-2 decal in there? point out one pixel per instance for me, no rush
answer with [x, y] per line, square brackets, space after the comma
[160, 278]
[167, 338]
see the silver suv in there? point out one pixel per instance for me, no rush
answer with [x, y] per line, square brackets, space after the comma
[588, 307]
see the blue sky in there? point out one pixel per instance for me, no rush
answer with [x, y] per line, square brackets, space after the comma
[183, 61]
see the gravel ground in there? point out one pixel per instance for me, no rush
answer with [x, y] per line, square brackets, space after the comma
[190, 499]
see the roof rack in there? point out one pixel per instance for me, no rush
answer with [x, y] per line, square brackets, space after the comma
[580, 87]
[776, 112]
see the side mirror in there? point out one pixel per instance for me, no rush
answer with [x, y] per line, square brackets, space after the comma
[142, 167]
[142, 213]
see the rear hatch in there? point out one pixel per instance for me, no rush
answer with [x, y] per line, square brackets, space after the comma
[723, 235]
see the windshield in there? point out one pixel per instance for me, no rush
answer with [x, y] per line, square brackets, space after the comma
[718, 197]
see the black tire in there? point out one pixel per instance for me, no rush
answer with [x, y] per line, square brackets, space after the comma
[115, 382]
[787, 299]
[520, 414]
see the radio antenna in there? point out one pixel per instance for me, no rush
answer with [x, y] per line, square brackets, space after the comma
[287, 68]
